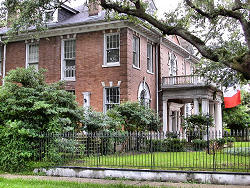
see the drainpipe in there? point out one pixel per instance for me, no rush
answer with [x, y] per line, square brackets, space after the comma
[157, 76]
[4, 61]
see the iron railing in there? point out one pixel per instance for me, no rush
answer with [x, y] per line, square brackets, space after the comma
[149, 150]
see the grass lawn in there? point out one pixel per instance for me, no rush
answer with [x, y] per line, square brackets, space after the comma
[19, 183]
[201, 160]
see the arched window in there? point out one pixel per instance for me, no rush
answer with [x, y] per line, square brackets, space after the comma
[144, 97]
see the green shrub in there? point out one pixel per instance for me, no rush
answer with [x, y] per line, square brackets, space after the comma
[245, 151]
[28, 107]
[135, 117]
[230, 139]
[198, 144]
[220, 142]
[168, 145]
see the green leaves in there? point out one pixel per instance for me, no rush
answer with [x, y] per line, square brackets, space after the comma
[29, 107]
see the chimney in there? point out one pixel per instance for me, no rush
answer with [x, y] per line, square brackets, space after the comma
[94, 7]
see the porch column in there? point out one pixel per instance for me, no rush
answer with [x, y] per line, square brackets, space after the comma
[170, 124]
[218, 119]
[196, 107]
[205, 106]
[211, 112]
[165, 115]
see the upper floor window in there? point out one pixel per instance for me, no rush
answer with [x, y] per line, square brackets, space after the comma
[112, 49]
[32, 55]
[0, 60]
[136, 52]
[150, 58]
[69, 60]
[111, 97]
[172, 64]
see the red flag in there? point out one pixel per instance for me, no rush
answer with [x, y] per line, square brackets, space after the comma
[232, 97]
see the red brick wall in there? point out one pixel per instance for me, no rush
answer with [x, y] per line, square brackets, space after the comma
[15, 55]
[90, 73]
[50, 58]
[135, 76]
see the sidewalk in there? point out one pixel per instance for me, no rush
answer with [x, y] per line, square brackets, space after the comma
[126, 182]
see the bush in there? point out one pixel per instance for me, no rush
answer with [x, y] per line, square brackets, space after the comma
[135, 117]
[168, 145]
[220, 142]
[29, 107]
[199, 145]
[245, 151]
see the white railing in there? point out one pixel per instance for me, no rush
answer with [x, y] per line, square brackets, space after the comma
[70, 72]
[184, 80]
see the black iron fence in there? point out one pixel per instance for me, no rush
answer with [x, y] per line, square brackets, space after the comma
[149, 150]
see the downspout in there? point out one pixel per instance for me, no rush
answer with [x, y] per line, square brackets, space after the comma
[157, 77]
[4, 61]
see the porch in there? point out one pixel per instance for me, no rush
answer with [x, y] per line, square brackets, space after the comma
[186, 95]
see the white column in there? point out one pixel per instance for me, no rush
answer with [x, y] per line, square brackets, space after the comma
[165, 115]
[178, 121]
[205, 106]
[170, 124]
[218, 119]
[196, 107]
[211, 112]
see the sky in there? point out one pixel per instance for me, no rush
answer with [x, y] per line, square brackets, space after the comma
[162, 5]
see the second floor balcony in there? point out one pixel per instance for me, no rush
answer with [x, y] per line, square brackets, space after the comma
[185, 81]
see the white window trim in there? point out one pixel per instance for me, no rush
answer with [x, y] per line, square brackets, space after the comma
[27, 54]
[104, 97]
[139, 64]
[152, 62]
[115, 64]
[62, 61]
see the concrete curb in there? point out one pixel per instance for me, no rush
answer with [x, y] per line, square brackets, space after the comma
[227, 178]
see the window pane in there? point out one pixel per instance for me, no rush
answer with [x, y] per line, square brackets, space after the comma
[112, 48]
[112, 97]
[112, 55]
[70, 70]
[33, 56]
[136, 51]
[69, 49]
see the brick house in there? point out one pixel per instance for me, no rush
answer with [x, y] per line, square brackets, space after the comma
[109, 62]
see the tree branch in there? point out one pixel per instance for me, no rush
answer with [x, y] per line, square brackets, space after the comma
[212, 54]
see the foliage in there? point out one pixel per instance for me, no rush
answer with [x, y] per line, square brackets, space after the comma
[199, 144]
[29, 107]
[97, 121]
[238, 118]
[245, 151]
[167, 145]
[135, 117]
[197, 122]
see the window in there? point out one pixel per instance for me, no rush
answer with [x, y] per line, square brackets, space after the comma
[0, 60]
[68, 60]
[112, 97]
[150, 58]
[136, 52]
[32, 57]
[112, 50]
[172, 64]
[144, 97]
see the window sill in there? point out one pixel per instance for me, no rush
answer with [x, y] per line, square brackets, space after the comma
[111, 65]
[138, 68]
[69, 79]
[150, 72]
